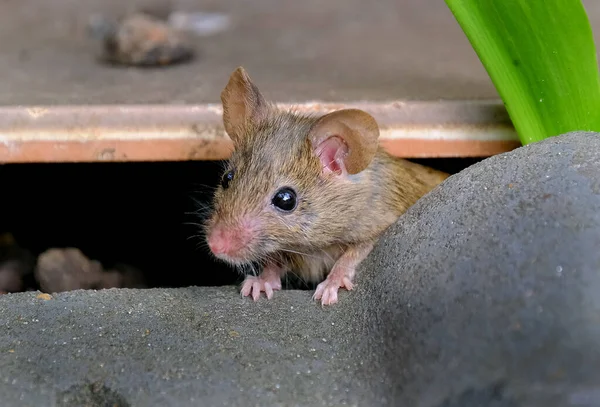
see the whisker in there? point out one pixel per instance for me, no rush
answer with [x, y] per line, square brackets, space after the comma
[202, 203]
[299, 276]
[327, 254]
[203, 186]
[202, 206]
[194, 224]
[194, 237]
[300, 253]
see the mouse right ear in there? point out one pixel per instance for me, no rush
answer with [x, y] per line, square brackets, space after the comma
[243, 104]
[345, 141]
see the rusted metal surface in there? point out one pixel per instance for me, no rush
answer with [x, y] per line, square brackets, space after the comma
[187, 132]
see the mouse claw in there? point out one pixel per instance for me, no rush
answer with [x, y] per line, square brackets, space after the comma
[268, 290]
[255, 290]
[329, 296]
[327, 291]
[347, 284]
[318, 292]
[246, 288]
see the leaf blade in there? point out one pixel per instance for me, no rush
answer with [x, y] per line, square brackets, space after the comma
[541, 57]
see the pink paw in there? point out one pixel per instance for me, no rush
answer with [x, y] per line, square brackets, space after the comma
[255, 285]
[327, 291]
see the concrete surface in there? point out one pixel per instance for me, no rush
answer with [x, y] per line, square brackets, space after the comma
[175, 347]
[339, 50]
[484, 294]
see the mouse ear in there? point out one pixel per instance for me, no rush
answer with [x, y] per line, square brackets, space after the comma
[345, 141]
[243, 104]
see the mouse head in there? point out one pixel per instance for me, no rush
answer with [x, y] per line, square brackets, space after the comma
[285, 186]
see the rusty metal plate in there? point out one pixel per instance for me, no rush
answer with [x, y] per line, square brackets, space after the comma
[195, 132]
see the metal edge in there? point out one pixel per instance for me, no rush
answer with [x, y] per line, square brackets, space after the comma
[195, 132]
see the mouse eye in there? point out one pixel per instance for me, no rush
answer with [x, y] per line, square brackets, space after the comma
[227, 177]
[285, 199]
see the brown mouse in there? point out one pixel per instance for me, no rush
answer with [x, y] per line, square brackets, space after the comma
[303, 194]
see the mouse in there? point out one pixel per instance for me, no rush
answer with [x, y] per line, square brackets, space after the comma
[303, 193]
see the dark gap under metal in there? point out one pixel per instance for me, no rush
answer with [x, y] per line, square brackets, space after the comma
[132, 213]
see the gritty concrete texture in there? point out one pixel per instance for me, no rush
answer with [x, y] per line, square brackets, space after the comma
[339, 50]
[487, 292]
[484, 294]
[178, 347]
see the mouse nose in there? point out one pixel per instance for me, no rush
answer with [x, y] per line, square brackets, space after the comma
[227, 241]
[216, 244]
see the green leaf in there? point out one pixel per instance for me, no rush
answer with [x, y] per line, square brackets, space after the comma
[541, 57]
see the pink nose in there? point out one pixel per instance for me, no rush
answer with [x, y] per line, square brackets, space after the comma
[227, 241]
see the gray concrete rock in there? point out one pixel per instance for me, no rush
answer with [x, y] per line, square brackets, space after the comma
[170, 347]
[486, 293]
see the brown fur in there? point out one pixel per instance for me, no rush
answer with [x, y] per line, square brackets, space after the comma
[275, 149]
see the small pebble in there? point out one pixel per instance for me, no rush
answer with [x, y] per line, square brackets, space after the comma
[44, 296]
[140, 40]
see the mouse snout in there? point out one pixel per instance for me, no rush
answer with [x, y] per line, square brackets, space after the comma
[229, 241]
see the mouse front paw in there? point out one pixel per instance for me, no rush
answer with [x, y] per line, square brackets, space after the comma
[327, 291]
[267, 282]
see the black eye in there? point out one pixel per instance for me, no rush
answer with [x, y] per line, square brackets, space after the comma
[285, 199]
[227, 177]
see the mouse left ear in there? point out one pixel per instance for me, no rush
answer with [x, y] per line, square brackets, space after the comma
[243, 104]
[345, 141]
